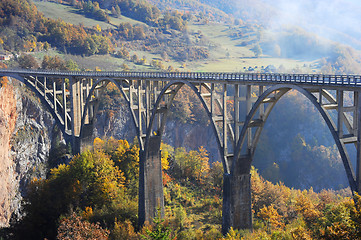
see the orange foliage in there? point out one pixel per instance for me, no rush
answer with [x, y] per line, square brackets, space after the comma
[74, 227]
[270, 215]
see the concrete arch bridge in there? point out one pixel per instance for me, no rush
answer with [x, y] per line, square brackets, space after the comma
[73, 99]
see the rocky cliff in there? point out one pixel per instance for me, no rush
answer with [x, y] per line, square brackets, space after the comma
[8, 118]
[25, 139]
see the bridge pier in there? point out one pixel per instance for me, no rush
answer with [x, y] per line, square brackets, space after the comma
[76, 113]
[151, 197]
[237, 200]
[86, 138]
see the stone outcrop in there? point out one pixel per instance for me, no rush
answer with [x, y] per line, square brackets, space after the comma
[25, 140]
[8, 118]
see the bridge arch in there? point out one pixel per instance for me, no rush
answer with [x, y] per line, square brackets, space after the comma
[88, 101]
[178, 85]
[281, 90]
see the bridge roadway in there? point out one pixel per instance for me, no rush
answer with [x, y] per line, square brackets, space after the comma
[237, 104]
[260, 78]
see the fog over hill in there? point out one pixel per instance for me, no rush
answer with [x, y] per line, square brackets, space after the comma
[337, 20]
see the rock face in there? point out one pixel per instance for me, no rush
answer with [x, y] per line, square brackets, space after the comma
[177, 134]
[25, 140]
[7, 125]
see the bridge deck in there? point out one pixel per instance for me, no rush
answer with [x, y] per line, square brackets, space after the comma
[350, 81]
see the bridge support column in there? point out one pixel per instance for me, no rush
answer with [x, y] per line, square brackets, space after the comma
[237, 201]
[86, 139]
[151, 198]
[76, 104]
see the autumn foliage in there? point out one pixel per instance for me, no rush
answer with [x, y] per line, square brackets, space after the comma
[38, 32]
[95, 197]
[74, 227]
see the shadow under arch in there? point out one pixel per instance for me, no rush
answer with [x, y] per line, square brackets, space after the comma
[284, 88]
[179, 85]
[90, 95]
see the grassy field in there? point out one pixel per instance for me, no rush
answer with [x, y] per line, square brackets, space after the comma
[230, 56]
[72, 15]
[219, 35]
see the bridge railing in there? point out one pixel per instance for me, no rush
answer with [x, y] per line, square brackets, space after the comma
[312, 79]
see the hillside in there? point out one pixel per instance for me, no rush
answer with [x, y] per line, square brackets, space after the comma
[230, 47]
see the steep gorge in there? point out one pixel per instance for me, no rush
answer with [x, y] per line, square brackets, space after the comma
[27, 135]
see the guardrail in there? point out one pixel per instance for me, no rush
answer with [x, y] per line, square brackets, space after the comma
[312, 79]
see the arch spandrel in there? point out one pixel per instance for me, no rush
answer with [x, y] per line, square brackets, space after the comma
[278, 91]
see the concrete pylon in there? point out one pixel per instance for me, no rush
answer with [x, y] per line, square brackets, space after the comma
[76, 113]
[151, 197]
[237, 199]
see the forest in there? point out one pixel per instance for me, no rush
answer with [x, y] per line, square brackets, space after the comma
[94, 196]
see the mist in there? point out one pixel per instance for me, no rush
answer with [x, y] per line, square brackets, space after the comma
[336, 20]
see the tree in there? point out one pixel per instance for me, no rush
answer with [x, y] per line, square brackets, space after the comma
[170, 69]
[89, 180]
[123, 53]
[74, 227]
[216, 174]
[159, 232]
[193, 164]
[143, 61]
[270, 216]
[117, 11]
[134, 58]
[356, 214]
[138, 33]
[28, 61]
[46, 46]
[124, 230]
[72, 65]
[114, 13]
[3, 80]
